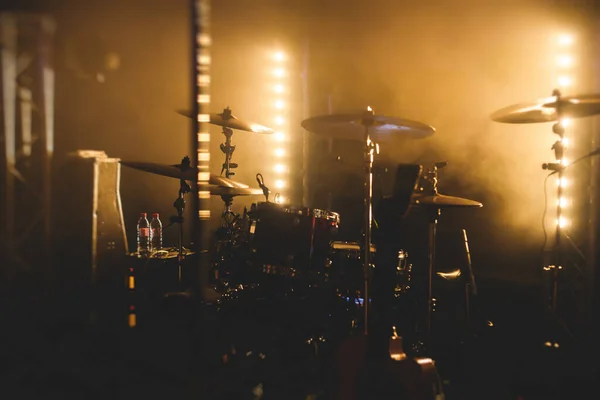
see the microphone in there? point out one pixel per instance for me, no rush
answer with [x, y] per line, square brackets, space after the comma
[556, 167]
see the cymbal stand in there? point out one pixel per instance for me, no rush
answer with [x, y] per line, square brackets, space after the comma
[370, 149]
[179, 205]
[227, 148]
[433, 221]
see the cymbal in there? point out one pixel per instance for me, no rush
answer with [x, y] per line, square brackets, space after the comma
[443, 201]
[174, 171]
[545, 110]
[349, 127]
[216, 190]
[232, 122]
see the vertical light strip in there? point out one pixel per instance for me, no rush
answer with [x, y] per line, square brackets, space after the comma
[565, 80]
[280, 106]
[201, 138]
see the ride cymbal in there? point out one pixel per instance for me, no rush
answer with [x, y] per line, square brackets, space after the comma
[351, 127]
[548, 109]
[226, 119]
[443, 201]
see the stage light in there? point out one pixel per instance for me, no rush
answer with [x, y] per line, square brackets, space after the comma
[565, 81]
[565, 122]
[280, 168]
[278, 88]
[279, 121]
[279, 72]
[564, 61]
[563, 202]
[279, 56]
[279, 136]
[279, 184]
[279, 152]
[279, 104]
[562, 182]
[565, 40]
[562, 222]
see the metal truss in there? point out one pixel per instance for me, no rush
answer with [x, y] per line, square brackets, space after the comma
[27, 141]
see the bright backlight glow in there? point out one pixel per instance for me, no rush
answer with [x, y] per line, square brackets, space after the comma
[279, 72]
[279, 136]
[565, 61]
[565, 40]
[279, 56]
[278, 88]
[565, 81]
[279, 121]
[279, 104]
[279, 152]
[279, 184]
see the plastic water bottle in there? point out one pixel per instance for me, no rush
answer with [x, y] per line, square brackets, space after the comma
[156, 232]
[144, 235]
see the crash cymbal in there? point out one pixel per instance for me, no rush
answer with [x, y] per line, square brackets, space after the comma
[443, 201]
[231, 121]
[545, 110]
[349, 126]
[174, 171]
[216, 190]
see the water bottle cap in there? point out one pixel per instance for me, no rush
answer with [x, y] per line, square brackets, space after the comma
[143, 215]
[155, 215]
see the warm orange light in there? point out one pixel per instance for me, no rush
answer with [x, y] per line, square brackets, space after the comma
[279, 136]
[279, 56]
[565, 61]
[562, 202]
[279, 121]
[279, 184]
[279, 152]
[279, 104]
[562, 222]
[279, 72]
[565, 40]
[280, 168]
[279, 88]
[565, 81]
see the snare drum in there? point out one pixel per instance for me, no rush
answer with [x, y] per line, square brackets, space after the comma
[291, 236]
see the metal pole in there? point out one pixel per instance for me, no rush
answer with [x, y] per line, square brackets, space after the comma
[46, 74]
[8, 69]
[201, 137]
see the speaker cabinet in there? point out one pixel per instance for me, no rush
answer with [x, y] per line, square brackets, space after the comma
[89, 235]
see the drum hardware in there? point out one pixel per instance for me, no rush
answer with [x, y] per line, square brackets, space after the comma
[553, 109]
[370, 129]
[434, 205]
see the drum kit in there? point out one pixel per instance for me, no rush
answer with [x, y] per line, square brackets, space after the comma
[299, 242]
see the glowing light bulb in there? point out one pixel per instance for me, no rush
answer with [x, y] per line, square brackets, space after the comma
[279, 72]
[278, 88]
[565, 81]
[280, 168]
[565, 40]
[279, 56]
[279, 184]
[279, 121]
[565, 61]
[279, 104]
[279, 152]
[279, 136]
[562, 222]
[563, 202]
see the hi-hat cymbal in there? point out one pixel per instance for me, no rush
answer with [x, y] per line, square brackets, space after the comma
[546, 110]
[174, 171]
[231, 121]
[350, 127]
[216, 190]
[443, 201]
